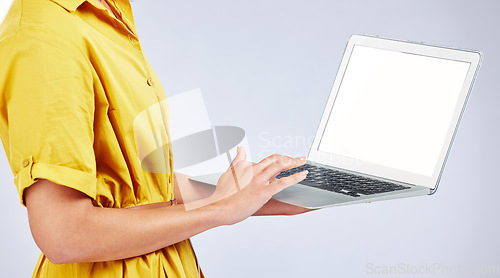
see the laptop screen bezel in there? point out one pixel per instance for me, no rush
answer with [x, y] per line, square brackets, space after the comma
[354, 165]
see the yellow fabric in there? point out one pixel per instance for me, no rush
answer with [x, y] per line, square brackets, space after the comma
[73, 79]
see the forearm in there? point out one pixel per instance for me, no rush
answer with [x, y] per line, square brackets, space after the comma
[104, 232]
[273, 207]
[75, 231]
[68, 228]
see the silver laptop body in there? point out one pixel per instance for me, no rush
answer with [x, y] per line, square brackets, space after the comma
[392, 114]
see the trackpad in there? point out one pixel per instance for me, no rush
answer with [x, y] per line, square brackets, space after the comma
[305, 196]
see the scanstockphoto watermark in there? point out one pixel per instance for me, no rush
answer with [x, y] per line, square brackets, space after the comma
[298, 145]
[435, 268]
[270, 143]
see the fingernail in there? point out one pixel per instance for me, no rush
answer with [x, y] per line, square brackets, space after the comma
[303, 158]
[304, 173]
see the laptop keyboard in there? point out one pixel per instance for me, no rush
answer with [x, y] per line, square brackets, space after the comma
[341, 182]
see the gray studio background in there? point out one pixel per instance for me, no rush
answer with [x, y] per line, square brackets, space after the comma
[268, 66]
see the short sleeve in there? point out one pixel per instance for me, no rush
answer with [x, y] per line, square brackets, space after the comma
[47, 110]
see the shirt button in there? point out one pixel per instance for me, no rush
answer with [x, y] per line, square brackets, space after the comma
[150, 82]
[26, 162]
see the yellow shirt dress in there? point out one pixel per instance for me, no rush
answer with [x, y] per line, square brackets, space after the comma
[73, 80]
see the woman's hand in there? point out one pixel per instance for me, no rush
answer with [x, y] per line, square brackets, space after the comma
[245, 187]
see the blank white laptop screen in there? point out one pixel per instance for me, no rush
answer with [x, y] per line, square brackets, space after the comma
[394, 109]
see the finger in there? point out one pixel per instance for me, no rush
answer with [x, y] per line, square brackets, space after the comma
[285, 182]
[240, 156]
[281, 165]
[273, 159]
[273, 179]
[267, 161]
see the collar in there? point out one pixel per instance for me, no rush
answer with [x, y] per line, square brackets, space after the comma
[70, 5]
[123, 5]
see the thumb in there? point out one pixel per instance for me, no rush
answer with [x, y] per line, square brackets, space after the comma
[240, 156]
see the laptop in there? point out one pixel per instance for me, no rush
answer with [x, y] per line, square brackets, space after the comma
[388, 124]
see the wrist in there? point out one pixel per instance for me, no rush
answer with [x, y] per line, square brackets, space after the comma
[218, 210]
[213, 208]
